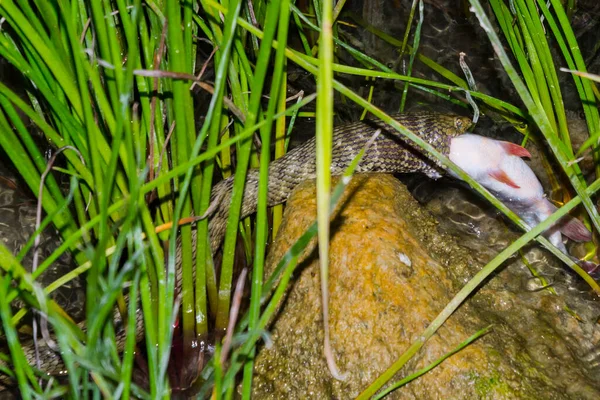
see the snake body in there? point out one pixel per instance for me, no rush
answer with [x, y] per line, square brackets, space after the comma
[389, 153]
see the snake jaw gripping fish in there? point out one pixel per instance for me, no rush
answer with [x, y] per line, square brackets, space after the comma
[389, 153]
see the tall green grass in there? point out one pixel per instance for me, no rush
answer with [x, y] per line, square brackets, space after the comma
[115, 81]
[545, 109]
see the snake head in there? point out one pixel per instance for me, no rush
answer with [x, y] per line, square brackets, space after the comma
[462, 124]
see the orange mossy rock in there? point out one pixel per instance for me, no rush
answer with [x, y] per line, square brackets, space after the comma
[385, 289]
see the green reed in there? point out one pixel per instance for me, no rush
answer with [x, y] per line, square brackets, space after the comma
[542, 97]
[114, 79]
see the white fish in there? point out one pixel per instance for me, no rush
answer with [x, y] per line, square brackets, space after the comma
[480, 157]
[498, 167]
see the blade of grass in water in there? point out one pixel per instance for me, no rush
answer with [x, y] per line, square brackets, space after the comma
[29, 171]
[147, 187]
[48, 131]
[108, 130]
[261, 216]
[150, 185]
[593, 139]
[458, 81]
[324, 128]
[411, 15]
[281, 139]
[570, 51]
[229, 30]
[437, 362]
[184, 136]
[300, 27]
[206, 285]
[243, 157]
[369, 61]
[306, 62]
[413, 53]
[22, 368]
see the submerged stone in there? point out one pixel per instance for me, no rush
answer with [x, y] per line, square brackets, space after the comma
[391, 273]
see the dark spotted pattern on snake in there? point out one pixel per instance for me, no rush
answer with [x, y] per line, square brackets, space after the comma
[390, 153]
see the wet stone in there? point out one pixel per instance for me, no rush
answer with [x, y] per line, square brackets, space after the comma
[380, 303]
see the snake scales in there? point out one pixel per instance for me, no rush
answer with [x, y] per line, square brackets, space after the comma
[390, 153]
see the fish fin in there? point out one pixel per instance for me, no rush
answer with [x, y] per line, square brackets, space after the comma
[515, 149]
[575, 230]
[501, 176]
[588, 266]
[569, 226]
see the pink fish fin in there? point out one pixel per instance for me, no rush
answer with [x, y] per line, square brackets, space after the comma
[588, 266]
[574, 229]
[515, 149]
[501, 176]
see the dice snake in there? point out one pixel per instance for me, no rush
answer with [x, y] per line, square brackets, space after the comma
[389, 153]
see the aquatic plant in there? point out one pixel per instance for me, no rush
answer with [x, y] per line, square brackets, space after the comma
[112, 86]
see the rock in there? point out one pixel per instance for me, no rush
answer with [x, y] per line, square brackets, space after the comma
[391, 273]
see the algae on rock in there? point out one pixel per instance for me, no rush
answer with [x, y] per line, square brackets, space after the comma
[391, 273]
